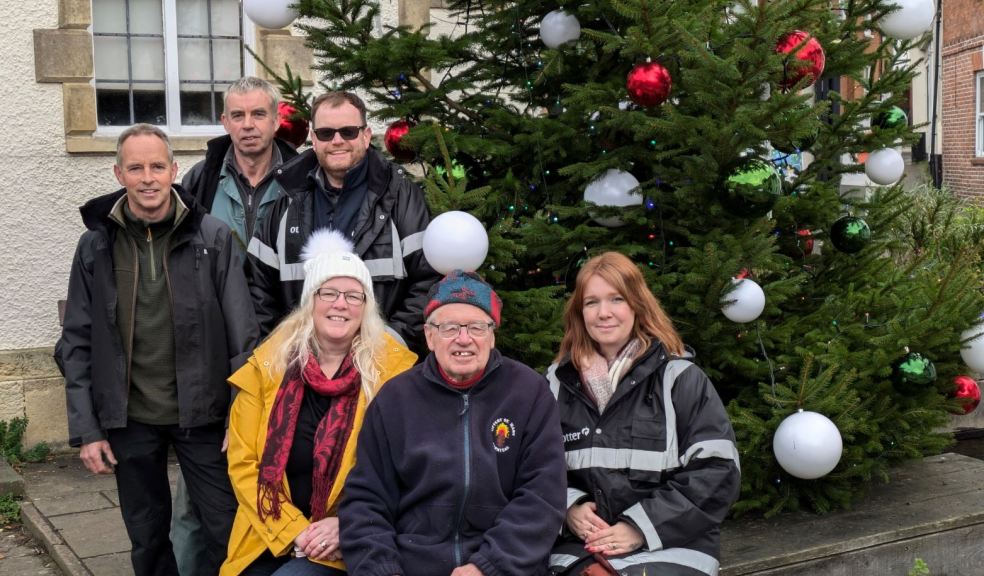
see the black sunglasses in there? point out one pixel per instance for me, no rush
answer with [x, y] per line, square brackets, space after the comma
[347, 132]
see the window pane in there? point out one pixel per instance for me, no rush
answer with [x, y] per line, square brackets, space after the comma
[110, 58]
[225, 18]
[113, 105]
[146, 17]
[108, 16]
[148, 104]
[148, 58]
[193, 59]
[192, 17]
[980, 94]
[228, 58]
[196, 105]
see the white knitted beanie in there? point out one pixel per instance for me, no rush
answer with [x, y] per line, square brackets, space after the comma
[328, 254]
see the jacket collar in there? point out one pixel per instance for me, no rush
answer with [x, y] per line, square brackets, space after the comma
[433, 375]
[293, 175]
[96, 213]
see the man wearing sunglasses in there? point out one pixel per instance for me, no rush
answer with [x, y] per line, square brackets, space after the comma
[459, 467]
[345, 184]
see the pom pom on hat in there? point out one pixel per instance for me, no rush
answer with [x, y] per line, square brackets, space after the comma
[329, 254]
[460, 287]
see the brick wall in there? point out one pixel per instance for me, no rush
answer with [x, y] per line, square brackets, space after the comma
[963, 52]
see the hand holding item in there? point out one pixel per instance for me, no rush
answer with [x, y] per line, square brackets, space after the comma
[98, 457]
[466, 570]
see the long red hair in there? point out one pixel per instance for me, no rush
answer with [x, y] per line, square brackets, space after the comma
[651, 321]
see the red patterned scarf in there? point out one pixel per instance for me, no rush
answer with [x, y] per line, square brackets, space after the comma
[329, 439]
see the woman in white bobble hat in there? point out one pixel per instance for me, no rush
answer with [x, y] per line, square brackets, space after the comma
[294, 423]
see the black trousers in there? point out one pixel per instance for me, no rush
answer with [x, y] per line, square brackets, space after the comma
[145, 495]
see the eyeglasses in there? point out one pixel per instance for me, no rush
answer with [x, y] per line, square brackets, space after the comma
[347, 132]
[450, 330]
[330, 295]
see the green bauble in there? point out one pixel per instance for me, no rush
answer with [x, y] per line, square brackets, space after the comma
[891, 119]
[752, 189]
[850, 234]
[913, 373]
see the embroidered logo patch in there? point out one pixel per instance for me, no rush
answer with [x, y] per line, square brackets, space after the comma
[503, 431]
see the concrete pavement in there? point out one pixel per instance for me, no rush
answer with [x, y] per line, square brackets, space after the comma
[76, 515]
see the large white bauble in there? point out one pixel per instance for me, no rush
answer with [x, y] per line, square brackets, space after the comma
[807, 445]
[911, 19]
[613, 188]
[884, 166]
[271, 14]
[455, 240]
[749, 301]
[558, 28]
[972, 351]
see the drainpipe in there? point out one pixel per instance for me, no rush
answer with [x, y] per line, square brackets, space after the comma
[936, 160]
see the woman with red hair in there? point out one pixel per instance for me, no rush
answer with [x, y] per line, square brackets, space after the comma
[652, 466]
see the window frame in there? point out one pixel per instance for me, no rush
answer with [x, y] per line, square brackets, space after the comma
[172, 91]
[979, 114]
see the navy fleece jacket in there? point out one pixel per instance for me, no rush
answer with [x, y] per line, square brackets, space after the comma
[447, 477]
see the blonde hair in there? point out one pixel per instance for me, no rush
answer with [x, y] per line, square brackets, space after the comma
[298, 339]
[651, 321]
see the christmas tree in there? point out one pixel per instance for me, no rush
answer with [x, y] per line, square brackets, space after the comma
[709, 138]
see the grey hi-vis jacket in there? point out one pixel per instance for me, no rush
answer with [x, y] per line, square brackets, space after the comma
[661, 457]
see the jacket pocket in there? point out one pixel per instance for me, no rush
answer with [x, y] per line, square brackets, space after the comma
[648, 452]
[481, 518]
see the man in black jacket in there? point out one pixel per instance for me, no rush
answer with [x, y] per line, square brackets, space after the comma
[158, 315]
[235, 182]
[459, 467]
[344, 184]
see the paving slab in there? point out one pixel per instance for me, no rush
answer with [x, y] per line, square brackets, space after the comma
[93, 533]
[69, 504]
[21, 555]
[10, 481]
[932, 509]
[110, 565]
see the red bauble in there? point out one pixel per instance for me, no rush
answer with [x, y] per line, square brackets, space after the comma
[649, 84]
[292, 129]
[966, 389]
[809, 58]
[393, 139]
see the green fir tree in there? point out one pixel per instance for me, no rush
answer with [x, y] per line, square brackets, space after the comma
[519, 130]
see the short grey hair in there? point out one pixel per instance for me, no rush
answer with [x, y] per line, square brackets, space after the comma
[142, 129]
[248, 84]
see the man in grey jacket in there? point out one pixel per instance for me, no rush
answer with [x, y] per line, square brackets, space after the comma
[158, 315]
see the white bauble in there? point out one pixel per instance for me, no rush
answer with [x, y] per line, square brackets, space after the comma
[807, 445]
[884, 166]
[455, 241]
[911, 19]
[558, 28]
[271, 14]
[613, 188]
[972, 351]
[747, 301]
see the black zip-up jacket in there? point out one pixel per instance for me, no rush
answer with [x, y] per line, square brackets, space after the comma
[214, 327]
[445, 477]
[202, 180]
[388, 236]
[661, 457]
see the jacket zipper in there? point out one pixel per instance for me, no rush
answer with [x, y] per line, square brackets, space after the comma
[464, 493]
[133, 312]
[153, 262]
[174, 327]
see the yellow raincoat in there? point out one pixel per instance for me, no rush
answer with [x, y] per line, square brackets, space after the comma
[248, 424]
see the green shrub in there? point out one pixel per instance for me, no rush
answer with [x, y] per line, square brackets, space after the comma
[12, 443]
[9, 510]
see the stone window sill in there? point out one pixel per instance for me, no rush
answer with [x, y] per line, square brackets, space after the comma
[105, 145]
[979, 161]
